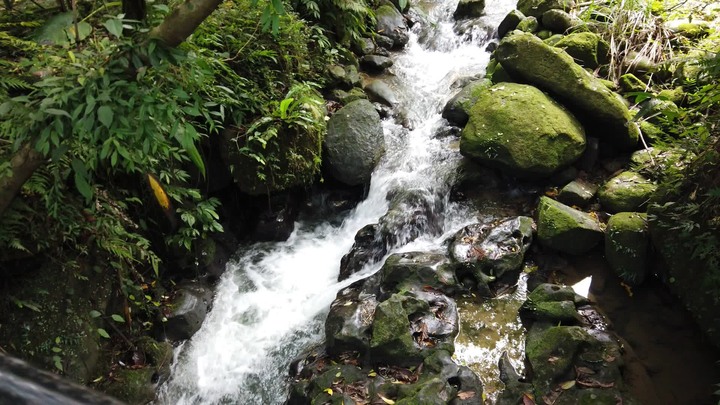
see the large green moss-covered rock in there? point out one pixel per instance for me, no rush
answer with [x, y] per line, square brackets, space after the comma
[354, 142]
[551, 69]
[520, 129]
[626, 192]
[528, 24]
[585, 47]
[536, 8]
[416, 270]
[566, 229]
[626, 245]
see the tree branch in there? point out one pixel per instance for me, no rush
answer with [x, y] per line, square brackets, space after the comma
[183, 20]
[22, 165]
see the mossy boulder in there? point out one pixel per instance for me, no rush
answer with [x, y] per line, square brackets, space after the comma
[518, 128]
[559, 21]
[627, 245]
[587, 48]
[689, 29]
[603, 112]
[566, 229]
[408, 327]
[536, 8]
[626, 192]
[391, 24]
[630, 83]
[456, 110]
[469, 9]
[510, 22]
[528, 24]
[354, 143]
[348, 324]
[551, 352]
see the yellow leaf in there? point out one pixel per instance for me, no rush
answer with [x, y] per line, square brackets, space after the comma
[159, 192]
[386, 400]
[567, 384]
[372, 373]
[329, 391]
[338, 374]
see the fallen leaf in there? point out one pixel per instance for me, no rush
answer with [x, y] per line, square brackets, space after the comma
[386, 400]
[584, 370]
[466, 394]
[553, 359]
[567, 384]
[372, 373]
[329, 391]
[528, 399]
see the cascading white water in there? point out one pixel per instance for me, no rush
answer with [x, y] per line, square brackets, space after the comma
[271, 303]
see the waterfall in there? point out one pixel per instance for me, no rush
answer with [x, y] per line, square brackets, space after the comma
[272, 301]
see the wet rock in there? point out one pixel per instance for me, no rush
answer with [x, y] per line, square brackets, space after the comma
[380, 92]
[369, 247]
[590, 155]
[411, 213]
[469, 9]
[354, 143]
[277, 222]
[566, 229]
[547, 292]
[412, 271]
[578, 192]
[510, 22]
[343, 77]
[448, 131]
[491, 250]
[383, 41]
[375, 63]
[559, 21]
[365, 46]
[412, 325]
[347, 97]
[626, 192]
[348, 324]
[518, 128]
[536, 8]
[627, 244]
[528, 24]
[587, 48]
[391, 24]
[603, 112]
[456, 110]
[187, 310]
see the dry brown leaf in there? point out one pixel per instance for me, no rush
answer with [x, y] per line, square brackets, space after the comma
[466, 394]
[527, 399]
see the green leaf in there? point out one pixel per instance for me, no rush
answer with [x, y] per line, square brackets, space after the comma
[94, 314]
[102, 332]
[81, 179]
[105, 115]
[187, 140]
[56, 111]
[117, 318]
[114, 27]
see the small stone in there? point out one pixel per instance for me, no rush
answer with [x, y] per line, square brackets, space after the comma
[577, 192]
[566, 229]
[510, 22]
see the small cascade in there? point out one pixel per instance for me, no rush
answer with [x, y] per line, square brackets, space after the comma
[271, 303]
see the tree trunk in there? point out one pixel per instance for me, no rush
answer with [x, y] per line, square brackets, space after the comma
[22, 165]
[183, 20]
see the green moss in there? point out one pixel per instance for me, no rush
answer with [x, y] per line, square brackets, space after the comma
[133, 386]
[392, 340]
[505, 131]
[552, 351]
[566, 229]
[626, 192]
[586, 47]
[630, 83]
[602, 111]
[626, 245]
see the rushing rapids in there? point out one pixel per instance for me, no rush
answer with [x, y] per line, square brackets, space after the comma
[271, 303]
